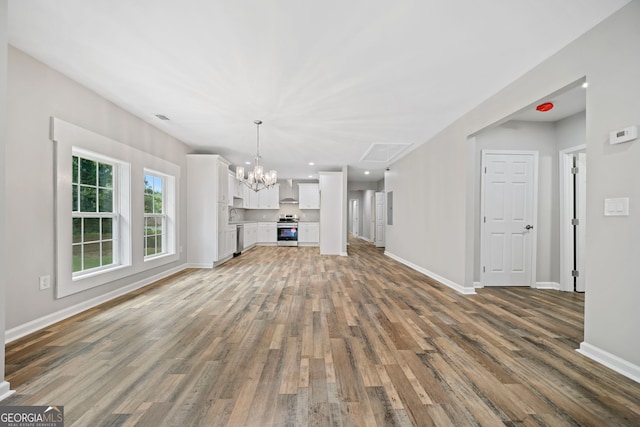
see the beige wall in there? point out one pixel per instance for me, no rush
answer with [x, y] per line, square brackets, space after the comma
[433, 187]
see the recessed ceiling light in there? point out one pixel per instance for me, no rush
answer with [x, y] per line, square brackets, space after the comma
[310, 176]
[311, 163]
[247, 163]
[366, 172]
[585, 85]
[162, 117]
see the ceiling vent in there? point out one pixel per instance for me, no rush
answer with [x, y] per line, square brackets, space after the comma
[383, 152]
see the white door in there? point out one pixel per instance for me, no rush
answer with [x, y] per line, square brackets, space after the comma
[355, 218]
[379, 219]
[508, 217]
[581, 208]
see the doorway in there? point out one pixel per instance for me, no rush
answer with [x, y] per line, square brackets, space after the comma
[509, 213]
[573, 189]
[355, 218]
[379, 219]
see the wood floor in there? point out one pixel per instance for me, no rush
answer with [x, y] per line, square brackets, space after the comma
[286, 337]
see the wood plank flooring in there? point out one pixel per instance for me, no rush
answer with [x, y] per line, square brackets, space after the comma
[286, 337]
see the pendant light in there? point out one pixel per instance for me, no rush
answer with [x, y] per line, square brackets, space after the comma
[257, 179]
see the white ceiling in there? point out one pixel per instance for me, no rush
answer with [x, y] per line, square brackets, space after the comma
[565, 104]
[328, 79]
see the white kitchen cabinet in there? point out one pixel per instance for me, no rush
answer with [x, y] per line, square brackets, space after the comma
[231, 188]
[308, 196]
[207, 209]
[263, 199]
[231, 240]
[270, 198]
[223, 183]
[250, 234]
[267, 232]
[308, 233]
[252, 197]
[235, 190]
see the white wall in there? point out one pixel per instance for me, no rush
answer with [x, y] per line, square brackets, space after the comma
[572, 131]
[36, 92]
[4, 386]
[434, 185]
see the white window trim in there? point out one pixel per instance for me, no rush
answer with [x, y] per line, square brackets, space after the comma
[67, 138]
[119, 179]
[169, 204]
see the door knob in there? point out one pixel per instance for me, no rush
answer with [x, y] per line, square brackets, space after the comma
[528, 227]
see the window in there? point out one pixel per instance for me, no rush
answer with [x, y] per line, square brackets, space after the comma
[94, 214]
[155, 215]
[100, 212]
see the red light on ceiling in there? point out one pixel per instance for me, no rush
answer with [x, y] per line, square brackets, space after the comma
[544, 107]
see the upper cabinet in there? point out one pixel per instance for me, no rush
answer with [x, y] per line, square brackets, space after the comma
[263, 199]
[236, 189]
[223, 181]
[270, 198]
[309, 196]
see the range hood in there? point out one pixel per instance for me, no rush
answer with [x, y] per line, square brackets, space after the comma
[288, 192]
[289, 200]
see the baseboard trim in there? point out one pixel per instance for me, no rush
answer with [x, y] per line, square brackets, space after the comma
[456, 287]
[44, 321]
[5, 390]
[199, 265]
[609, 360]
[548, 285]
[478, 285]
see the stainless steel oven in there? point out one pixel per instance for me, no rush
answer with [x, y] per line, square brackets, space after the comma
[288, 230]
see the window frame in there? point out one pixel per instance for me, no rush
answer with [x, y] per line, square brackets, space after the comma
[68, 138]
[165, 215]
[76, 213]
[121, 257]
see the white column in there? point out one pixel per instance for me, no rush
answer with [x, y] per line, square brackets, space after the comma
[332, 201]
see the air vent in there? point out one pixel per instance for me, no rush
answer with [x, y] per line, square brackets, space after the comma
[162, 117]
[383, 153]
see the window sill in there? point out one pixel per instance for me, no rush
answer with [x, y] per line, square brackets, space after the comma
[98, 272]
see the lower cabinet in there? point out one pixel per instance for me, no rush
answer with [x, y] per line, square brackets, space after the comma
[308, 233]
[250, 235]
[267, 232]
[230, 240]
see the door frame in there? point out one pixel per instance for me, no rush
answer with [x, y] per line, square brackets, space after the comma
[354, 204]
[533, 233]
[379, 240]
[567, 249]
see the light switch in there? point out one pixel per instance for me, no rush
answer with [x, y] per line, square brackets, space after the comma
[616, 207]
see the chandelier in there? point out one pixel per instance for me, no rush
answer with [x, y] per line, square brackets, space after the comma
[257, 179]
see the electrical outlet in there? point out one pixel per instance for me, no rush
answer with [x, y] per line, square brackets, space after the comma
[45, 282]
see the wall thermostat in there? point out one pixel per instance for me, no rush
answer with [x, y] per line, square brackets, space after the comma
[623, 135]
